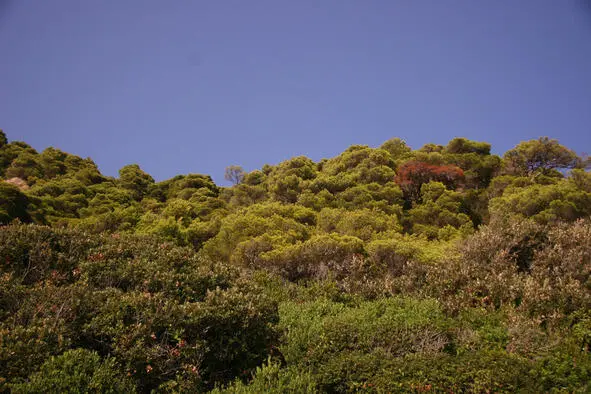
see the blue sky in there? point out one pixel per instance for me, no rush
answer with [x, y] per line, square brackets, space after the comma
[194, 86]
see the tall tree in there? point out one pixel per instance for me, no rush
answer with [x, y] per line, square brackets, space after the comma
[540, 156]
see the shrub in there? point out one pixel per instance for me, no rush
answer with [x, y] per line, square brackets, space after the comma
[77, 370]
[271, 378]
[167, 315]
[320, 257]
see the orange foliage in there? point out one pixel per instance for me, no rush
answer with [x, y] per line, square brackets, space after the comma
[413, 174]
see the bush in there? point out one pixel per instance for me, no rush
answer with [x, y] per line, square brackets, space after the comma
[271, 378]
[77, 371]
[168, 316]
[560, 273]
[320, 257]
[396, 326]
[35, 253]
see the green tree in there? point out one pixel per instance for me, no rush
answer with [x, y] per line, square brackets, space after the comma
[543, 156]
[11, 151]
[463, 145]
[26, 166]
[3, 139]
[132, 178]
[361, 223]
[183, 186]
[288, 179]
[13, 204]
[397, 148]
[567, 200]
[439, 215]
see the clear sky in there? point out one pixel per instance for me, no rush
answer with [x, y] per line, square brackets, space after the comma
[197, 85]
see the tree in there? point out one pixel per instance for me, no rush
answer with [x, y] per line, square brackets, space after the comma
[234, 174]
[430, 148]
[463, 145]
[414, 174]
[9, 152]
[361, 223]
[3, 139]
[540, 156]
[26, 166]
[566, 200]
[134, 179]
[439, 215]
[14, 204]
[397, 148]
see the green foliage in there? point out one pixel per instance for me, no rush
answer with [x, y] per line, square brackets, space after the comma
[563, 370]
[479, 170]
[363, 164]
[565, 200]
[3, 139]
[291, 223]
[19, 160]
[387, 269]
[33, 254]
[243, 195]
[55, 163]
[164, 314]
[77, 371]
[362, 223]
[207, 342]
[439, 214]
[61, 198]
[287, 180]
[319, 257]
[11, 151]
[462, 145]
[397, 149]
[431, 148]
[482, 371]
[182, 186]
[271, 378]
[25, 166]
[132, 178]
[543, 156]
[14, 204]
[393, 253]
[334, 340]
[317, 329]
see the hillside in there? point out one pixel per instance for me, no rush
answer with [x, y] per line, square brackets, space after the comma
[444, 268]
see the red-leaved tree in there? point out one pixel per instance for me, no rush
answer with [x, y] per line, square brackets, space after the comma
[414, 174]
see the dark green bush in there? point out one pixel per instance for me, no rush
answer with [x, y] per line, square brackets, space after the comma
[168, 316]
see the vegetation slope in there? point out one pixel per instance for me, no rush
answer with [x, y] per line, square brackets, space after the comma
[444, 269]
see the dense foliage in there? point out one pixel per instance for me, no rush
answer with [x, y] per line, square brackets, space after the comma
[444, 269]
